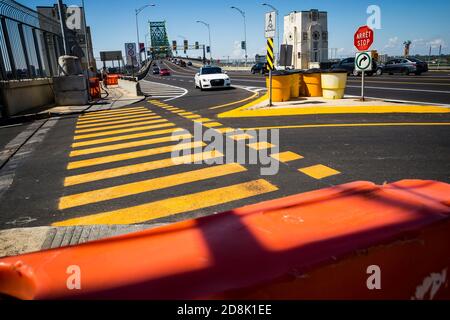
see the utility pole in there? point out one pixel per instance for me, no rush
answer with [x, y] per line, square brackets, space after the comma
[137, 11]
[209, 34]
[245, 31]
[62, 20]
[278, 28]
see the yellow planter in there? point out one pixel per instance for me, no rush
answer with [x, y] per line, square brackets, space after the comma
[281, 87]
[313, 82]
[334, 84]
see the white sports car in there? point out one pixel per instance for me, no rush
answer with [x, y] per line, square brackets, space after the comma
[212, 77]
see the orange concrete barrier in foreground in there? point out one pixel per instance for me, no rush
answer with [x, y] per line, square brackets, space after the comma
[318, 245]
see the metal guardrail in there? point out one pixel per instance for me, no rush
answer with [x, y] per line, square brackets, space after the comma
[30, 43]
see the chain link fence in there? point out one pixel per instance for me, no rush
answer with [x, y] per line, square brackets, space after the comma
[30, 43]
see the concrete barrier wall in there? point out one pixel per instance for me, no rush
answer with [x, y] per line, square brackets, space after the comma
[20, 96]
[131, 87]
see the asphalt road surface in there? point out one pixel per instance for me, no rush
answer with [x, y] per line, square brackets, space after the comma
[118, 166]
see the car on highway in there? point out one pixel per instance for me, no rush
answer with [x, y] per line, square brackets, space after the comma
[259, 67]
[210, 77]
[349, 65]
[164, 72]
[405, 66]
[156, 70]
[189, 64]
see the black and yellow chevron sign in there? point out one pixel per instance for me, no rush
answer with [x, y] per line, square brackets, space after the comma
[270, 55]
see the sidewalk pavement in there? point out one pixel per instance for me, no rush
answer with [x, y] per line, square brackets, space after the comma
[19, 241]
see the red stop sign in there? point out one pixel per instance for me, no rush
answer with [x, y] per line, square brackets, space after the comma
[363, 38]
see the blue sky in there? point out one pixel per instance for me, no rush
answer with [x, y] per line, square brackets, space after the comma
[423, 22]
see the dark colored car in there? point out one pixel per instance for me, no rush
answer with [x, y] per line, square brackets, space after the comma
[189, 64]
[405, 66]
[349, 65]
[164, 72]
[156, 70]
[182, 64]
[259, 68]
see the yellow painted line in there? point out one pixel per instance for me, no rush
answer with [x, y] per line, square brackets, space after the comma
[141, 167]
[113, 132]
[202, 120]
[260, 145]
[186, 114]
[235, 102]
[129, 145]
[319, 171]
[225, 130]
[121, 126]
[134, 188]
[175, 205]
[337, 125]
[195, 116]
[112, 117]
[133, 116]
[229, 114]
[286, 156]
[111, 112]
[212, 124]
[276, 112]
[92, 125]
[179, 111]
[242, 136]
[133, 155]
[126, 137]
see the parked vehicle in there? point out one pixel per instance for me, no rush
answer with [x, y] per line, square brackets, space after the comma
[349, 65]
[164, 72]
[260, 67]
[211, 77]
[156, 70]
[405, 66]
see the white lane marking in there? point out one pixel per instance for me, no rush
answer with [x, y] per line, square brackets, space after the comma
[160, 90]
[401, 89]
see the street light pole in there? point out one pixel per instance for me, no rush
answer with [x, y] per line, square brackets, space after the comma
[278, 28]
[209, 33]
[245, 31]
[137, 11]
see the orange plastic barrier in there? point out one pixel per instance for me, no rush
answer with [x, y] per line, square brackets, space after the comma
[112, 79]
[317, 245]
[94, 85]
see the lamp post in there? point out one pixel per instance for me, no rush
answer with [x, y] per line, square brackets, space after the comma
[209, 33]
[137, 11]
[278, 29]
[245, 31]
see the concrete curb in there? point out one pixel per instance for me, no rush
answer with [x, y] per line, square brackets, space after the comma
[20, 241]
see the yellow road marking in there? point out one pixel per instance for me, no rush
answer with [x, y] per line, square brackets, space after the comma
[225, 130]
[126, 137]
[212, 124]
[141, 167]
[286, 156]
[133, 155]
[195, 116]
[112, 117]
[244, 112]
[179, 111]
[135, 124]
[113, 132]
[243, 136]
[235, 102]
[111, 112]
[129, 145]
[381, 124]
[260, 145]
[202, 120]
[133, 116]
[134, 188]
[176, 205]
[83, 126]
[319, 171]
[186, 114]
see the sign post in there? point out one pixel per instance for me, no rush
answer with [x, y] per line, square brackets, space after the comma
[363, 40]
[270, 30]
